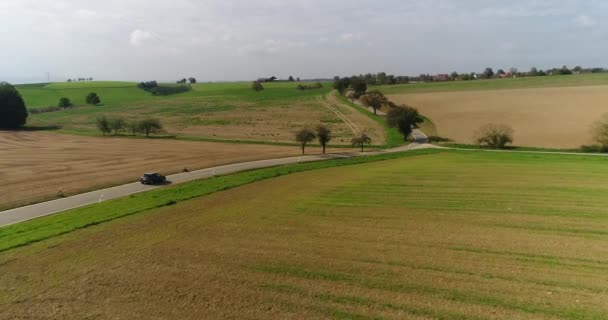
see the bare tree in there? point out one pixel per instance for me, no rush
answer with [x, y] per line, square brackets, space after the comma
[304, 137]
[361, 140]
[324, 135]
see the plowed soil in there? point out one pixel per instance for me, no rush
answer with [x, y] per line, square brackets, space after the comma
[36, 166]
[541, 117]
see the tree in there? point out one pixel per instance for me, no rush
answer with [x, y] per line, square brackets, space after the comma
[404, 118]
[324, 135]
[192, 80]
[361, 140]
[150, 126]
[64, 103]
[13, 113]
[488, 73]
[533, 72]
[500, 72]
[495, 136]
[599, 131]
[341, 84]
[454, 76]
[305, 136]
[133, 127]
[374, 99]
[182, 81]
[577, 69]
[103, 124]
[359, 86]
[257, 86]
[116, 125]
[291, 79]
[93, 98]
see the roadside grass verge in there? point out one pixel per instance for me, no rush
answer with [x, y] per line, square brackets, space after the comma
[393, 137]
[509, 148]
[36, 230]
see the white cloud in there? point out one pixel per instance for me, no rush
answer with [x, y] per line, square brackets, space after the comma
[139, 37]
[584, 21]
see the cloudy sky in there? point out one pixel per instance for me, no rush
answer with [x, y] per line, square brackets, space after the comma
[217, 40]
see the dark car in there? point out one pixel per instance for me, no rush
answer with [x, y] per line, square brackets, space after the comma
[152, 178]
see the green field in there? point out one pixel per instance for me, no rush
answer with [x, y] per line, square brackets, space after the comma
[426, 235]
[498, 84]
[220, 111]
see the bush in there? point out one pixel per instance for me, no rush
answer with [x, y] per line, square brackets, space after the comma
[44, 110]
[316, 85]
[599, 131]
[13, 113]
[64, 103]
[495, 136]
[257, 86]
[93, 98]
[438, 139]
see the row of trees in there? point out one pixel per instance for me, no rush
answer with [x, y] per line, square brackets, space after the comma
[190, 80]
[80, 79]
[324, 135]
[116, 125]
[160, 90]
[316, 85]
[380, 78]
[402, 117]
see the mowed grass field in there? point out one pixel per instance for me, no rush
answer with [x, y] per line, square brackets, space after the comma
[446, 235]
[551, 112]
[36, 166]
[219, 111]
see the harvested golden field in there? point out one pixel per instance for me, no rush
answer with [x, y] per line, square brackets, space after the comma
[35, 166]
[449, 235]
[541, 117]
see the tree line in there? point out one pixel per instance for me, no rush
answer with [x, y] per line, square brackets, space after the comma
[116, 125]
[324, 135]
[163, 90]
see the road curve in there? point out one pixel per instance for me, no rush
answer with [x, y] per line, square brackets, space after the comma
[16, 215]
[42, 209]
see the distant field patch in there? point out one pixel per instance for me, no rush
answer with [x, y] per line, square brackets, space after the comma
[448, 235]
[542, 117]
[225, 111]
[500, 84]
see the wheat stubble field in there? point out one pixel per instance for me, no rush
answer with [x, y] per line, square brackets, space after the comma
[542, 117]
[34, 166]
[449, 235]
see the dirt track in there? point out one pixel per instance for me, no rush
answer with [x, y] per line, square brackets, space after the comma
[35, 166]
[549, 117]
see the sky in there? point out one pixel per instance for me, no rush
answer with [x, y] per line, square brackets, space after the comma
[230, 40]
